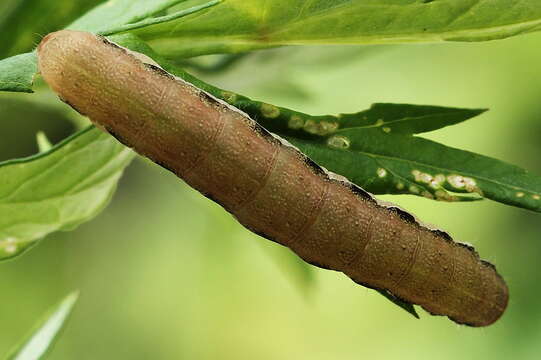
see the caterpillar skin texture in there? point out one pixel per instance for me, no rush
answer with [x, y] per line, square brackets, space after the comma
[269, 186]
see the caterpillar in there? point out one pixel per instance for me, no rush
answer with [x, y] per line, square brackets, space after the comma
[269, 186]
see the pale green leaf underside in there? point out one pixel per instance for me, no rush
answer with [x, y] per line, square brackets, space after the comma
[240, 25]
[59, 189]
[46, 332]
[243, 25]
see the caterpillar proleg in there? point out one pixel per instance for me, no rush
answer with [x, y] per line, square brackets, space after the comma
[269, 186]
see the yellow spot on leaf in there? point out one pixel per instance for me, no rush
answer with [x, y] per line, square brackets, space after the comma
[437, 181]
[339, 142]
[320, 128]
[456, 181]
[463, 182]
[270, 111]
[9, 245]
[426, 178]
[295, 122]
[381, 172]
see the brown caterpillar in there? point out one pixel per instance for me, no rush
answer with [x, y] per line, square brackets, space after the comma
[269, 186]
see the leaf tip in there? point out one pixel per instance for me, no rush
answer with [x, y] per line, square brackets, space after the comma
[480, 111]
[43, 142]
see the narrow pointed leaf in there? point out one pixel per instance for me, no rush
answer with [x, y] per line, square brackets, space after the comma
[40, 341]
[43, 142]
[409, 308]
[406, 119]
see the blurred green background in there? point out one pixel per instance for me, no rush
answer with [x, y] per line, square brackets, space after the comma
[164, 273]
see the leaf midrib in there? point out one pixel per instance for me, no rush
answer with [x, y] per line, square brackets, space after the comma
[379, 38]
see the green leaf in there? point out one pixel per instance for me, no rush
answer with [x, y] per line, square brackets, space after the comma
[241, 25]
[406, 119]
[395, 118]
[403, 164]
[59, 189]
[41, 339]
[17, 73]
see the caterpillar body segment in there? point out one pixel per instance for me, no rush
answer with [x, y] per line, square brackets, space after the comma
[269, 186]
